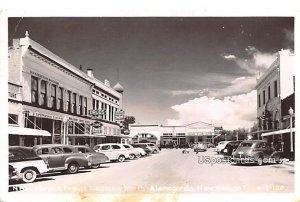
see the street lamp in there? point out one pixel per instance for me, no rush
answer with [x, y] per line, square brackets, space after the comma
[291, 112]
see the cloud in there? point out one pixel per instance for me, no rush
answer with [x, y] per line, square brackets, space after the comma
[200, 92]
[231, 112]
[228, 57]
[258, 62]
[233, 106]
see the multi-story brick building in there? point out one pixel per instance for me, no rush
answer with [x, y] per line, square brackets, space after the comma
[48, 93]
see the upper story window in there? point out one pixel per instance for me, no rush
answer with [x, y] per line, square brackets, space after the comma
[60, 99]
[264, 97]
[74, 103]
[259, 102]
[12, 118]
[269, 92]
[43, 93]
[34, 90]
[80, 105]
[53, 96]
[85, 105]
[68, 102]
[275, 89]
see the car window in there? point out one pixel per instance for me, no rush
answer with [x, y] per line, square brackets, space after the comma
[115, 147]
[15, 154]
[263, 145]
[126, 146]
[67, 150]
[246, 144]
[81, 150]
[42, 151]
[105, 147]
[56, 150]
[152, 145]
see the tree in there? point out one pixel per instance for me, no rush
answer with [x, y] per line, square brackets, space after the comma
[125, 124]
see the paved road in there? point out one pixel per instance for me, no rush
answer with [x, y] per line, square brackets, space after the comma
[170, 171]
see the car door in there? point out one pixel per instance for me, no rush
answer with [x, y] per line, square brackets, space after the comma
[117, 150]
[56, 157]
[267, 150]
[106, 149]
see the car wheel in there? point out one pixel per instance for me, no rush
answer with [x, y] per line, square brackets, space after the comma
[73, 168]
[121, 158]
[29, 175]
[95, 166]
[131, 156]
[260, 161]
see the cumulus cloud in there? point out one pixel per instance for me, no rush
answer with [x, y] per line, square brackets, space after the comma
[233, 106]
[258, 62]
[231, 112]
[199, 92]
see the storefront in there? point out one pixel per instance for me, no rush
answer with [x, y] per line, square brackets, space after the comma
[19, 136]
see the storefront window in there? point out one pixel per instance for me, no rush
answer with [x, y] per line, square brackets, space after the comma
[34, 90]
[57, 126]
[70, 127]
[53, 96]
[79, 128]
[43, 93]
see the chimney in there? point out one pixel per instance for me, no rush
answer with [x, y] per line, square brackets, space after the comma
[90, 73]
[106, 82]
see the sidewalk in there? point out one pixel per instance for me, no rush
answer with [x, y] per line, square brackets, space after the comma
[288, 162]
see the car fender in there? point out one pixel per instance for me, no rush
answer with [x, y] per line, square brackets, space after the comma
[39, 165]
[81, 160]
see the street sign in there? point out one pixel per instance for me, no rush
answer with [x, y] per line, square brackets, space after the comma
[119, 115]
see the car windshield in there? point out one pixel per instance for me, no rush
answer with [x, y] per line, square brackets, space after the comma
[221, 143]
[246, 144]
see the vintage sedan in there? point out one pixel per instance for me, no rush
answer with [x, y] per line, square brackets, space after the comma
[146, 148]
[200, 147]
[134, 152]
[62, 157]
[220, 147]
[26, 164]
[230, 148]
[114, 151]
[94, 157]
[256, 151]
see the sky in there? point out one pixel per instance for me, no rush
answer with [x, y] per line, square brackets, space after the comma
[175, 70]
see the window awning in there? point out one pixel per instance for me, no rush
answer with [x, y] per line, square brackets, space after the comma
[27, 131]
[276, 132]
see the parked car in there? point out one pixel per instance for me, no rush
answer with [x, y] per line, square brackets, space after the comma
[200, 147]
[230, 148]
[26, 163]
[94, 157]
[154, 147]
[13, 174]
[62, 157]
[221, 145]
[146, 148]
[256, 151]
[114, 151]
[134, 152]
[209, 144]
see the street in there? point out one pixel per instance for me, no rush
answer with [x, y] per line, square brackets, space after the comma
[169, 171]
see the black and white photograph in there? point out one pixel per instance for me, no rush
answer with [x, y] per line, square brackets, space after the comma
[163, 106]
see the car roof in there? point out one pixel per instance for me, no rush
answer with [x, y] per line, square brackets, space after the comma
[253, 141]
[51, 145]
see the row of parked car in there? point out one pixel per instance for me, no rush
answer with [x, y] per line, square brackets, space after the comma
[26, 163]
[249, 151]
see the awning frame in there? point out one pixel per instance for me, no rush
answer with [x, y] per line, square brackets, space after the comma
[277, 132]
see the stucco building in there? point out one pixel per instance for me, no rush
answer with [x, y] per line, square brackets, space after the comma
[165, 134]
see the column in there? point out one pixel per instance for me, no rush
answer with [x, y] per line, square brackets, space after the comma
[48, 93]
[41, 140]
[35, 141]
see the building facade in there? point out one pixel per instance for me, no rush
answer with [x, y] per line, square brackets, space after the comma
[273, 89]
[165, 134]
[47, 93]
